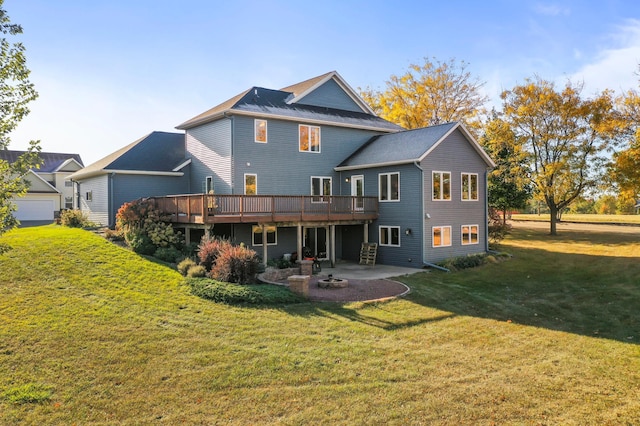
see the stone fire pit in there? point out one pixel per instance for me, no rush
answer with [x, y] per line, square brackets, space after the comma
[331, 282]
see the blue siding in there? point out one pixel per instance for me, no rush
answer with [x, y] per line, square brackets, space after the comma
[125, 188]
[280, 167]
[331, 95]
[457, 156]
[209, 147]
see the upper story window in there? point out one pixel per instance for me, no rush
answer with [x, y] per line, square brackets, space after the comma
[88, 196]
[469, 186]
[320, 187]
[208, 185]
[389, 186]
[309, 138]
[441, 184]
[260, 131]
[250, 184]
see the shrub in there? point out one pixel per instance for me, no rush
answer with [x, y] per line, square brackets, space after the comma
[185, 265]
[140, 243]
[209, 250]
[235, 264]
[113, 235]
[196, 271]
[259, 294]
[168, 254]
[74, 219]
[464, 262]
[141, 217]
[498, 229]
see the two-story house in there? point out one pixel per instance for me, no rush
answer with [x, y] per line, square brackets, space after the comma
[49, 190]
[310, 167]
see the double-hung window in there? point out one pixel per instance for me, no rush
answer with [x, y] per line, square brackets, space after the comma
[260, 131]
[441, 185]
[469, 234]
[320, 188]
[441, 236]
[309, 138]
[389, 186]
[469, 186]
[390, 236]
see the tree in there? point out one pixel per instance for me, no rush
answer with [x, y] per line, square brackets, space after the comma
[509, 184]
[625, 168]
[16, 91]
[565, 137]
[429, 94]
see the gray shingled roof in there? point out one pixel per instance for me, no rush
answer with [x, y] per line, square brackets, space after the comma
[259, 100]
[155, 152]
[400, 147]
[51, 160]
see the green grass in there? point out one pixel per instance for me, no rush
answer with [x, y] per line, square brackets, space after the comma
[548, 337]
[632, 219]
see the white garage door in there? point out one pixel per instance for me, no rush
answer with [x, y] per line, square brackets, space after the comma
[34, 210]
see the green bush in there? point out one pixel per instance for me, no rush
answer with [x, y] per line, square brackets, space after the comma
[168, 254]
[185, 265]
[464, 262]
[258, 294]
[196, 271]
[113, 235]
[140, 243]
[235, 264]
[74, 219]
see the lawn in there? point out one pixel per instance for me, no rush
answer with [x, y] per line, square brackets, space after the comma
[628, 219]
[94, 334]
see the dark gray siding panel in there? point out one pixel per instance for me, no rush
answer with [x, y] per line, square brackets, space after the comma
[209, 147]
[331, 95]
[406, 213]
[131, 187]
[457, 156]
[280, 167]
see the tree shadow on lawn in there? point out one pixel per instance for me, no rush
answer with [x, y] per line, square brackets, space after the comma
[591, 295]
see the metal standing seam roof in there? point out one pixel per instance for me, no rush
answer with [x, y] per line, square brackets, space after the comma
[401, 147]
[259, 100]
[51, 160]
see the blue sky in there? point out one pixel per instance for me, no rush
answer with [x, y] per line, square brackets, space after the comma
[109, 72]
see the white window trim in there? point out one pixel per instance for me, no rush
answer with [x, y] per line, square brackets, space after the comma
[253, 234]
[321, 196]
[208, 188]
[245, 182]
[388, 187]
[462, 175]
[88, 196]
[388, 229]
[469, 242]
[255, 130]
[441, 186]
[433, 229]
[309, 133]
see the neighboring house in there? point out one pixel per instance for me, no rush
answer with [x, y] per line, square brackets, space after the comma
[153, 165]
[49, 190]
[311, 166]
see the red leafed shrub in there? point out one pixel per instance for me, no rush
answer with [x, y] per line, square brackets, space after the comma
[235, 264]
[209, 250]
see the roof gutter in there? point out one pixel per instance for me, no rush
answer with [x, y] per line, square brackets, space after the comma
[373, 165]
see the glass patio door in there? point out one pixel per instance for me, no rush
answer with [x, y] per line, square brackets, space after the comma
[357, 190]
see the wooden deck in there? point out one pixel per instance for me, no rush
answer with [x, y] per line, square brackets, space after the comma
[211, 209]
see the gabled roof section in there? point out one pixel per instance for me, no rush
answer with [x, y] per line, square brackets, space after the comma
[288, 104]
[305, 88]
[52, 161]
[155, 153]
[407, 147]
[38, 185]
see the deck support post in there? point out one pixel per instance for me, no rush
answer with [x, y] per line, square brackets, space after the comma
[264, 245]
[332, 245]
[299, 242]
[365, 237]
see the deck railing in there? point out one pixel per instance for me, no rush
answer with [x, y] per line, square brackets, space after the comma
[213, 208]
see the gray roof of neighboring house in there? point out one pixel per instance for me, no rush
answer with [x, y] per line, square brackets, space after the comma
[157, 152]
[405, 147]
[51, 160]
[289, 102]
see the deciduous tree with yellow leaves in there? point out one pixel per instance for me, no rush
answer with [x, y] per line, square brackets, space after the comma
[565, 136]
